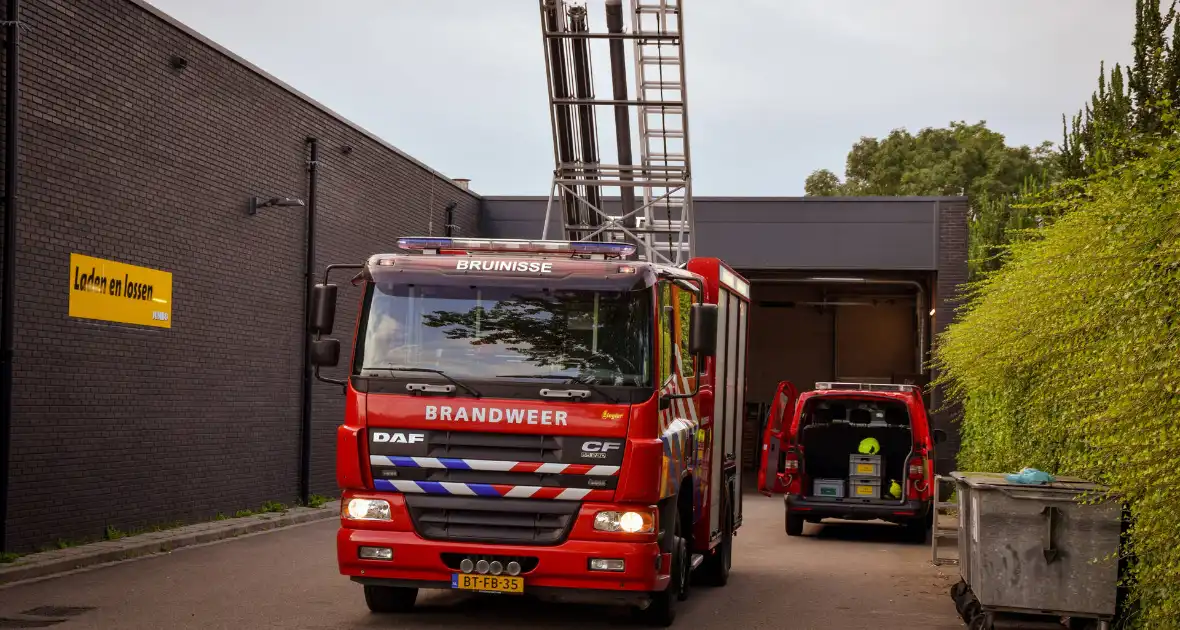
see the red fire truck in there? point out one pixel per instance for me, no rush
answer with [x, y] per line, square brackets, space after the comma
[538, 417]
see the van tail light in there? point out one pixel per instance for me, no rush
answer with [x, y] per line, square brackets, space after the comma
[791, 465]
[791, 476]
[917, 468]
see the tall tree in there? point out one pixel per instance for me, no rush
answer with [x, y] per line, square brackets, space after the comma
[1103, 133]
[961, 159]
[823, 183]
[1150, 73]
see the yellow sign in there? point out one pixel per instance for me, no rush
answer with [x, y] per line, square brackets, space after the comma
[117, 292]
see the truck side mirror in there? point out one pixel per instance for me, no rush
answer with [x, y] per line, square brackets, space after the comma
[702, 330]
[325, 352]
[939, 436]
[323, 308]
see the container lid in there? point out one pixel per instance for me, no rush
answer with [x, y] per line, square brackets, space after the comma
[984, 480]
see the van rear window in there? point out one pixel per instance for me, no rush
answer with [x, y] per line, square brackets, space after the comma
[833, 410]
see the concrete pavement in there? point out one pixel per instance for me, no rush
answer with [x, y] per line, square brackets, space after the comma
[838, 576]
[57, 561]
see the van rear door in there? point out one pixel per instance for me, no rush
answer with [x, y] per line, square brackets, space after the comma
[773, 437]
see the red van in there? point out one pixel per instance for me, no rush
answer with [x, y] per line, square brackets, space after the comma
[811, 453]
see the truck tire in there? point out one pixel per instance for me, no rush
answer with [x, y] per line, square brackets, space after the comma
[794, 524]
[661, 612]
[390, 599]
[915, 530]
[715, 570]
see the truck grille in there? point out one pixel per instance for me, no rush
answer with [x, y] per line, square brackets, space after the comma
[494, 446]
[495, 477]
[490, 520]
[499, 459]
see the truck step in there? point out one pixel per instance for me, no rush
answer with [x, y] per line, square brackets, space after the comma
[697, 559]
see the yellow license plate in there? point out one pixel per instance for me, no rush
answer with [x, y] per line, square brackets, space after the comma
[865, 490]
[487, 583]
[866, 469]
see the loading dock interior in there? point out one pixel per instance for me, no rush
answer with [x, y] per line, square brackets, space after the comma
[807, 327]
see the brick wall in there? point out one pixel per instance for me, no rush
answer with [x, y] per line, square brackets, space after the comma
[952, 274]
[126, 158]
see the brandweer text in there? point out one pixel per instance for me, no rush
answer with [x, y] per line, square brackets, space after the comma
[494, 415]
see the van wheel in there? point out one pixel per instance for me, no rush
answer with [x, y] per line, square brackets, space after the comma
[916, 529]
[915, 532]
[390, 599]
[794, 524]
[661, 612]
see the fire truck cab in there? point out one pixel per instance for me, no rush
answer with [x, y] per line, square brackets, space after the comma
[537, 417]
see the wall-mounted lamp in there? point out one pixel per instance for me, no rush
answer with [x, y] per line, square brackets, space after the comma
[258, 203]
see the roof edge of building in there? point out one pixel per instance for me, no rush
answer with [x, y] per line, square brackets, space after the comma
[191, 32]
[906, 198]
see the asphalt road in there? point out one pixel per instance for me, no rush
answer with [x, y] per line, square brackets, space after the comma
[837, 576]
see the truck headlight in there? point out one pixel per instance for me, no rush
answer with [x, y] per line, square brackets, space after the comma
[367, 510]
[626, 522]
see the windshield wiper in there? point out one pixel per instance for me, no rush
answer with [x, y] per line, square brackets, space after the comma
[431, 371]
[568, 380]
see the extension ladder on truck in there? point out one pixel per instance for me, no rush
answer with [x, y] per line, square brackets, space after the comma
[655, 195]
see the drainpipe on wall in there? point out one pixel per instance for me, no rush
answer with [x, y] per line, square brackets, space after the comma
[8, 307]
[449, 219]
[308, 281]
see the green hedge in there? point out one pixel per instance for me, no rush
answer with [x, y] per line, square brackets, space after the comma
[1068, 359]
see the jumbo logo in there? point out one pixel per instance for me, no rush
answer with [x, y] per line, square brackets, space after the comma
[612, 415]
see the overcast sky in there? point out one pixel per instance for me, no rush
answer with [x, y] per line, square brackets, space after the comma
[777, 88]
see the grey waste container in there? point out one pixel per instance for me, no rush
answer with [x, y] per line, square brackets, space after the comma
[1037, 548]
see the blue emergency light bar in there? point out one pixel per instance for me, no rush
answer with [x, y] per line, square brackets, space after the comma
[865, 387]
[588, 248]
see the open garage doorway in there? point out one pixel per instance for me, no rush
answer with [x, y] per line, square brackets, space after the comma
[851, 327]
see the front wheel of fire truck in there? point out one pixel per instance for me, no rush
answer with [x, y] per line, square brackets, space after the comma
[715, 571]
[661, 612]
[390, 599]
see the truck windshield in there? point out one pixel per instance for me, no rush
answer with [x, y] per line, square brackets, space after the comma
[472, 332]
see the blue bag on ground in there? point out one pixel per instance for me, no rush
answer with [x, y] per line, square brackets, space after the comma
[1030, 476]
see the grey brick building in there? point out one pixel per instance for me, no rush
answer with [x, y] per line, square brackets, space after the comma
[142, 143]
[125, 156]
